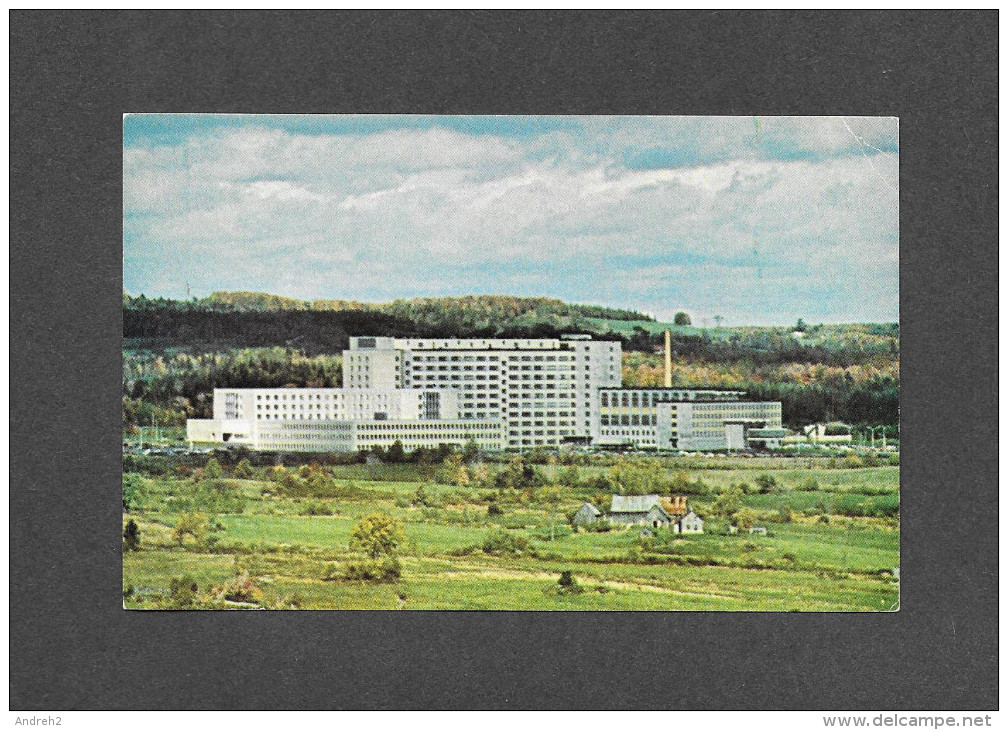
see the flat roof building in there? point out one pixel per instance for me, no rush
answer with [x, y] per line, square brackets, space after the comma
[501, 392]
[543, 389]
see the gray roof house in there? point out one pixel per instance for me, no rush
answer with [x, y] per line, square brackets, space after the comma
[586, 514]
[639, 510]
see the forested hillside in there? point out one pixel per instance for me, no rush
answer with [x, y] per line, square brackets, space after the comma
[253, 319]
[175, 353]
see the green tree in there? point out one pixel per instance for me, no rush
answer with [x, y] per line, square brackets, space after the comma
[682, 319]
[244, 470]
[728, 502]
[569, 477]
[425, 465]
[131, 536]
[480, 474]
[377, 534]
[745, 518]
[133, 490]
[471, 452]
[182, 591]
[455, 471]
[194, 524]
[396, 453]
[213, 469]
[766, 483]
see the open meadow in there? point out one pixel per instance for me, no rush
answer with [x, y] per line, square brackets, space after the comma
[472, 533]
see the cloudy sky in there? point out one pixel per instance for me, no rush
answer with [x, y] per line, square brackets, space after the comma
[760, 220]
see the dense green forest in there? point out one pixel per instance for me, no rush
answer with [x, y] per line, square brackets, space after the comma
[244, 319]
[176, 352]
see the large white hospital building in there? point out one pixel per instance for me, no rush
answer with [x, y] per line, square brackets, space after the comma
[501, 393]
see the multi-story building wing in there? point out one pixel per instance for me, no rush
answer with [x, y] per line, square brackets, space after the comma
[688, 419]
[542, 388]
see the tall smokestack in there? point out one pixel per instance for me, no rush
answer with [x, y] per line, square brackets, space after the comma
[668, 359]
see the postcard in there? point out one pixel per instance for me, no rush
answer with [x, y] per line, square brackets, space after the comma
[541, 363]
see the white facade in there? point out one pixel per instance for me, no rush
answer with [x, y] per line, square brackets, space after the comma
[338, 419]
[336, 436]
[334, 404]
[502, 393]
[685, 419]
[544, 389]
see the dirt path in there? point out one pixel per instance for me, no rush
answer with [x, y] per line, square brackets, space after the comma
[506, 574]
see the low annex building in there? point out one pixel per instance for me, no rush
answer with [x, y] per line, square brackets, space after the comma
[340, 419]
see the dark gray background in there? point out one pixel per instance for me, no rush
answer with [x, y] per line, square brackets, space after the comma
[72, 77]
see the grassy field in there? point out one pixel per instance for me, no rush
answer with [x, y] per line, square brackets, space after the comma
[819, 553]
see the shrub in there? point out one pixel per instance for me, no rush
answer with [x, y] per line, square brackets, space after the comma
[213, 469]
[377, 534]
[501, 542]
[421, 498]
[745, 518]
[314, 508]
[766, 483]
[568, 583]
[852, 461]
[494, 509]
[131, 536]
[747, 488]
[386, 570]
[240, 590]
[134, 486]
[598, 526]
[244, 470]
[870, 459]
[250, 564]
[850, 505]
[182, 591]
[191, 523]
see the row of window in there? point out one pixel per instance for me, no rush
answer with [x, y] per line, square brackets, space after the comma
[629, 420]
[651, 397]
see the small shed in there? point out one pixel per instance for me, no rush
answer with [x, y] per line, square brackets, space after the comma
[586, 514]
[690, 522]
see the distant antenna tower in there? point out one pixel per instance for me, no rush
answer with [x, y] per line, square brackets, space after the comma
[188, 293]
[718, 319]
[756, 257]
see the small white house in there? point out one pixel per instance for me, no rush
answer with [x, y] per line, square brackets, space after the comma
[690, 522]
[587, 514]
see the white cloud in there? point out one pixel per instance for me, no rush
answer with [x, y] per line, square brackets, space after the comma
[436, 211]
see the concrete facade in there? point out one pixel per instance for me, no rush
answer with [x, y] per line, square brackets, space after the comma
[544, 389]
[502, 393]
[685, 419]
